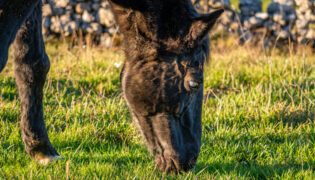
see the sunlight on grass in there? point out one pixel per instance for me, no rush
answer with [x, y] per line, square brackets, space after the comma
[258, 117]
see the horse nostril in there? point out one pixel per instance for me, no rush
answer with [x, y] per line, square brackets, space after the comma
[193, 84]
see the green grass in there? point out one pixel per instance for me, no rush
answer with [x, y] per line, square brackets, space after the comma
[258, 118]
[235, 4]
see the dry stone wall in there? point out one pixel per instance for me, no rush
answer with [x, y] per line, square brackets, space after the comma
[86, 17]
[284, 20]
[305, 23]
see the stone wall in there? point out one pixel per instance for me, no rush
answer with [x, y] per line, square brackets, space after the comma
[79, 17]
[284, 20]
[305, 23]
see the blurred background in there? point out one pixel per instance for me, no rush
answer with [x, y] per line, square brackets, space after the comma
[266, 23]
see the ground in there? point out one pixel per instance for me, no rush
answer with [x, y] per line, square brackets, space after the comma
[258, 117]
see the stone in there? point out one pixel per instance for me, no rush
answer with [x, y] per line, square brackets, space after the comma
[46, 22]
[290, 17]
[310, 34]
[96, 6]
[308, 15]
[77, 17]
[61, 3]
[250, 7]
[85, 27]
[95, 17]
[305, 22]
[96, 28]
[303, 3]
[64, 19]
[55, 25]
[81, 7]
[302, 32]
[255, 22]
[58, 11]
[88, 17]
[70, 28]
[273, 8]
[226, 17]
[271, 26]
[279, 19]
[105, 17]
[286, 2]
[74, 25]
[283, 34]
[69, 8]
[262, 15]
[47, 10]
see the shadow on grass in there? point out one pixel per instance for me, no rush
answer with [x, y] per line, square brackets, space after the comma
[91, 150]
[119, 160]
[80, 87]
[252, 169]
[74, 87]
[133, 153]
[296, 118]
[247, 149]
[276, 118]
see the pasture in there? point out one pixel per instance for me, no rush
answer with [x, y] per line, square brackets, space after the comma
[258, 117]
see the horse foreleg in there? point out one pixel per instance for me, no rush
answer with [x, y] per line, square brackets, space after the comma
[31, 67]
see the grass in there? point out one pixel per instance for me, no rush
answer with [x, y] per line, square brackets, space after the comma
[258, 117]
[235, 4]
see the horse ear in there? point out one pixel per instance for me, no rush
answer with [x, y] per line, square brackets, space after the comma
[202, 25]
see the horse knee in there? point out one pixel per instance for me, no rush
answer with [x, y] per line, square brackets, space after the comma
[42, 65]
[38, 67]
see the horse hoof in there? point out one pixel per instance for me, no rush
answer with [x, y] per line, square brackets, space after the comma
[45, 160]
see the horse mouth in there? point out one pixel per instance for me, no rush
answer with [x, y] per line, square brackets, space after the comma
[173, 164]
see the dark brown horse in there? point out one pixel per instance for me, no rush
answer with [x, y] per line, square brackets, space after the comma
[166, 45]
